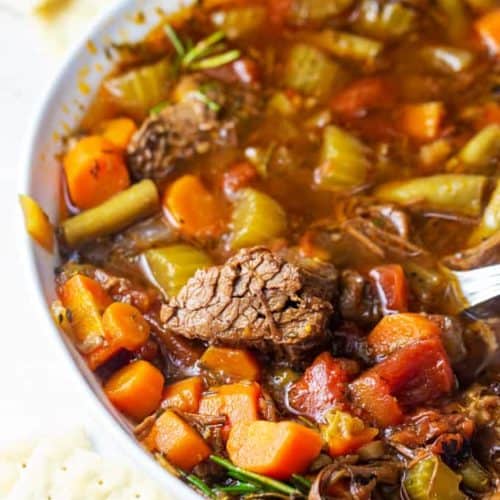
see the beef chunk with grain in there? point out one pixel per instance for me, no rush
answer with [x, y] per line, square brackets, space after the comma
[257, 300]
[199, 122]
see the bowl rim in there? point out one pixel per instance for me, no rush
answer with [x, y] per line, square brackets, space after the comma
[31, 277]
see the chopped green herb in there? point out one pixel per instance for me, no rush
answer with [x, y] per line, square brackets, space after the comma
[239, 488]
[175, 40]
[212, 105]
[216, 61]
[200, 49]
[159, 108]
[198, 483]
[301, 482]
[252, 477]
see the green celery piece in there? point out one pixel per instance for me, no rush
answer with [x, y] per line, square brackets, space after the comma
[172, 266]
[431, 479]
[477, 154]
[446, 192]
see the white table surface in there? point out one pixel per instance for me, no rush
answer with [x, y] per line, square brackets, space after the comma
[37, 395]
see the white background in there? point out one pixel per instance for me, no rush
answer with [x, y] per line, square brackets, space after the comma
[37, 393]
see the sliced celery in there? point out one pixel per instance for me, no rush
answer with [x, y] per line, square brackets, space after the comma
[257, 218]
[172, 266]
[490, 222]
[448, 192]
[456, 17]
[479, 152]
[474, 476]
[139, 90]
[343, 161]
[346, 45]
[310, 71]
[447, 59]
[241, 21]
[384, 20]
[281, 104]
[431, 479]
[303, 11]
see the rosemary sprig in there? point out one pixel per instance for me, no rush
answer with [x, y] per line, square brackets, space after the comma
[217, 60]
[208, 53]
[252, 477]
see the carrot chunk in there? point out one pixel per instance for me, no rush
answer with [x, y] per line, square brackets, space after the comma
[321, 388]
[235, 363]
[37, 223]
[184, 395]
[193, 208]
[95, 171]
[124, 328]
[399, 330]
[275, 449]
[344, 433]
[488, 27]
[422, 121]
[86, 301]
[179, 442]
[392, 288]
[136, 389]
[237, 402]
[118, 131]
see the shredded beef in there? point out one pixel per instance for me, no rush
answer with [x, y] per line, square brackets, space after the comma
[257, 299]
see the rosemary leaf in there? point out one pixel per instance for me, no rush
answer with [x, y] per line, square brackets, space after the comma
[216, 61]
[175, 40]
[199, 50]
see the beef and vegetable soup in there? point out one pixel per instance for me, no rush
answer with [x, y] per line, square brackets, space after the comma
[261, 211]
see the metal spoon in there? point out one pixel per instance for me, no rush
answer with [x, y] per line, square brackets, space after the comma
[481, 290]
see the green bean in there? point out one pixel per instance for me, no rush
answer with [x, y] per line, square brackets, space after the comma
[431, 479]
[455, 193]
[137, 202]
[257, 218]
[198, 483]
[172, 266]
[343, 161]
[447, 59]
[490, 222]
[310, 71]
[474, 476]
[302, 483]
[346, 45]
[479, 152]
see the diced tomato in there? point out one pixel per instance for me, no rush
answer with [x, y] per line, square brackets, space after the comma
[321, 388]
[238, 176]
[392, 287]
[362, 96]
[416, 374]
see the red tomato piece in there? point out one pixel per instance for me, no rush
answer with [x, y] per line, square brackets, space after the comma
[321, 388]
[392, 288]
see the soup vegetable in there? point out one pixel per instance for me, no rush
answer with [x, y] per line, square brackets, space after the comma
[261, 211]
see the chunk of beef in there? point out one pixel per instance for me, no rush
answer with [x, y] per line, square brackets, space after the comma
[358, 299]
[257, 299]
[200, 121]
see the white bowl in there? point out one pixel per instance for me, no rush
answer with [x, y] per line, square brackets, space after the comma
[60, 111]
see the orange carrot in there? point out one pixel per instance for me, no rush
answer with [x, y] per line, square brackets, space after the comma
[237, 402]
[179, 442]
[488, 27]
[184, 395]
[344, 433]
[193, 208]
[124, 328]
[277, 450]
[118, 131]
[95, 171]
[85, 300]
[136, 389]
[37, 223]
[399, 330]
[235, 363]
[423, 121]
[238, 176]
[392, 288]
